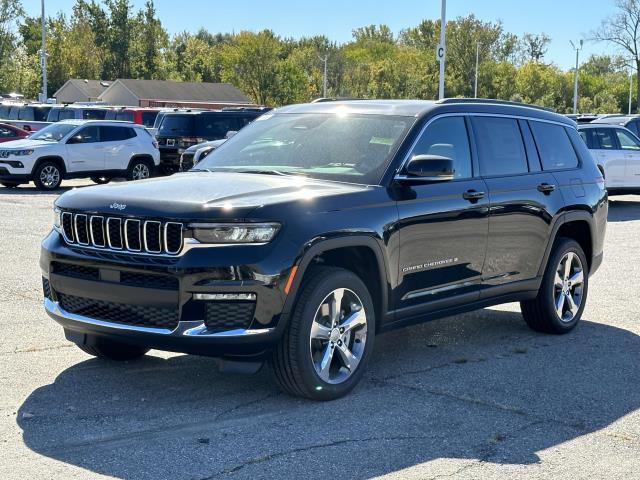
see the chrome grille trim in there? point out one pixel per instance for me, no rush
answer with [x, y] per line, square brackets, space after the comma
[109, 242]
[146, 244]
[166, 242]
[92, 234]
[128, 222]
[75, 228]
[125, 235]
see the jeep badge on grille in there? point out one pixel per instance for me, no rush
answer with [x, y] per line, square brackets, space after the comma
[117, 206]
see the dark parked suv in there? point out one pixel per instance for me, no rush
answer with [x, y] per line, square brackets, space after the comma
[180, 130]
[321, 225]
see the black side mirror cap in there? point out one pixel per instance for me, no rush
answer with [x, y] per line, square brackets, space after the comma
[430, 167]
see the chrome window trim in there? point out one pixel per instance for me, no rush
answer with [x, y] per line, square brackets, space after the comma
[166, 243]
[126, 235]
[397, 175]
[146, 246]
[93, 240]
[115, 219]
[75, 228]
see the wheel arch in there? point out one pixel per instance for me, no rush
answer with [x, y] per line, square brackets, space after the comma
[58, 160]
[577, 225]
[360, 254]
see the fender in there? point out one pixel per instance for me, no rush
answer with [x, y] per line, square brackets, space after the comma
[564, 218]
[317, 246]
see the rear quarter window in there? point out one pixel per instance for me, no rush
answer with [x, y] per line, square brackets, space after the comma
[500, 146]
[554, 147]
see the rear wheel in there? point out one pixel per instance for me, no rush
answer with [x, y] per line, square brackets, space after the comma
[563, 292]
[329, 338]
[139, 170]
[47, 176]
[112, 350]
[100, 180]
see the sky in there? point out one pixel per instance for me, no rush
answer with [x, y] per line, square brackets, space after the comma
[562, 20]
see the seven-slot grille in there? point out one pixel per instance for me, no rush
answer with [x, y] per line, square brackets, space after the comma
[128, 234]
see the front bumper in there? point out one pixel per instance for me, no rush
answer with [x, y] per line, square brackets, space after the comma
[108, 295]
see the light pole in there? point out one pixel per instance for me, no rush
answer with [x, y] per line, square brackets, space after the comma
[324, 77]
[630, 87]
[577, 48]
[43, 56]
[475, 86]
[441, 47]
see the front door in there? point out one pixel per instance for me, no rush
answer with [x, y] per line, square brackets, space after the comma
[85, 151]
[610, 157]
[442, 225]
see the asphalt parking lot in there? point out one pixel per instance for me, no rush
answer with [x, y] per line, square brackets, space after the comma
[472, 396]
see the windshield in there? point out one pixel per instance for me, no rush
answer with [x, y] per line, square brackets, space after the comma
[350, 148]
[53, 133]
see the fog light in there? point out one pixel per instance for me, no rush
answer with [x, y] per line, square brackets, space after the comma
[225, 296]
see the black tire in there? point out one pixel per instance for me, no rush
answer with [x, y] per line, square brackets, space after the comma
[101, 180]
[41, 170]
[292, 361]
[111, 350]
[137, 166]
[540, 313]
[9, 184]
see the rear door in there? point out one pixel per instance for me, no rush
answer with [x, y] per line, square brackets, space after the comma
[442, 229]
[630, 145]
[522, 198]
[119, 146]
[609, 156]
[88, 153]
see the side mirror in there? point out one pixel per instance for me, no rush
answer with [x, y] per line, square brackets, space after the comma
[430, 167]
[230, 134]
[74, 139]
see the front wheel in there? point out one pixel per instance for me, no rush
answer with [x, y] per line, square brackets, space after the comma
[139, 170]
[563, 292]
[47, 176]
[111, 350]
[329, 338]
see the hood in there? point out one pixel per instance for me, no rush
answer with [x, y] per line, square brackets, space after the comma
[212, 143]
[26, 143]
[200, 195]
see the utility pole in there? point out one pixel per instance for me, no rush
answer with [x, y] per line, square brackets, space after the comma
[324, 76]
[577, 48]
[441, 47]
[43, 56]
[475, 86]
[630, 87]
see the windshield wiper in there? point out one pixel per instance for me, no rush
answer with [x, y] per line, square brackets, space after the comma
[262, 172]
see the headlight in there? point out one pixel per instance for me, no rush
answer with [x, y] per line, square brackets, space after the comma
[57, 221]
[21, 153]
[234, 232]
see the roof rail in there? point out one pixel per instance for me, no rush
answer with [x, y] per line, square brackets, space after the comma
[493, 101]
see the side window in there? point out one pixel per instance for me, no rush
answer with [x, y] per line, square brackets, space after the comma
[214, 126]
[115, 134]
[627, 142]
[89, 135]
[603, 138]
[633, 126]
[447, 137]
[554, 146]
[94, 114]
[66, 114]
[148, 118]
[5, 132]
[500, 146]
[586, 138]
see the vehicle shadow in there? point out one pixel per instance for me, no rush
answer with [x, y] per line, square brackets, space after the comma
[623, 210]
[31, 190]
[477, 386]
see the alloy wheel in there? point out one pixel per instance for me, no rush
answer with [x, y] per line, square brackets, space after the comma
[140, 171]
[568, 287]
[50, 176]
[338, 336]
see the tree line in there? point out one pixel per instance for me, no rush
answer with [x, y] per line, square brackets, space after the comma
[110, 39]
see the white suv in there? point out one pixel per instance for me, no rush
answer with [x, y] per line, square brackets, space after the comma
[100, 150]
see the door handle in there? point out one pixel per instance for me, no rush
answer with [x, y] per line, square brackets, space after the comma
[473, 195]
[546, 188]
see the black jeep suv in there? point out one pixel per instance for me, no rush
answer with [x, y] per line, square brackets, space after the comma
[180, 130]
[320, 225]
